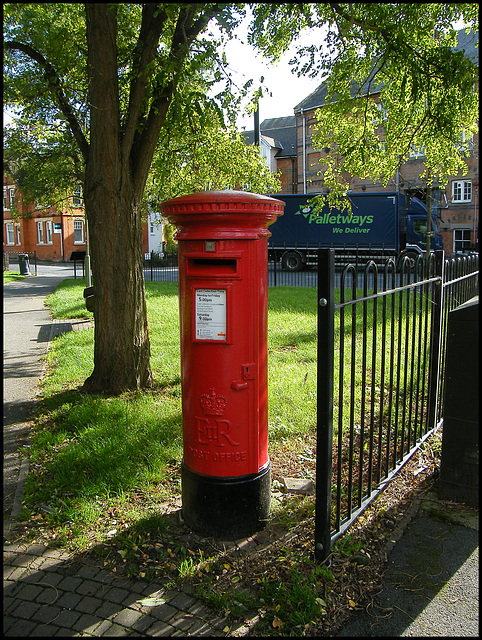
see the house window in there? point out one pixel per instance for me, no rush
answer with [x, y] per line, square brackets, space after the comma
[461, 191]
[77, 197]
[12, 197]
[466, 143]
[17, 227]
[40, 233]
[78, 232]
[5, 199]
[9, 233]
[417, 152]
[461, 240]
[48, 231]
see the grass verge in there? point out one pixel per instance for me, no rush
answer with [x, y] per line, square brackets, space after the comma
[10, 276]
[118, 447]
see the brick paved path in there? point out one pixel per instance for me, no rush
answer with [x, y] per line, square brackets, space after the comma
[48, 592]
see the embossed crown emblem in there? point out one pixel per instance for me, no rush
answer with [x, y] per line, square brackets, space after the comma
[213, 404]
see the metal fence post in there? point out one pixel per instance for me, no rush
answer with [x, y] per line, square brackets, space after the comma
[435, 342]
[324, 431]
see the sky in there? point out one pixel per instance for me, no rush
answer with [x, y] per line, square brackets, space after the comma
[286, 88]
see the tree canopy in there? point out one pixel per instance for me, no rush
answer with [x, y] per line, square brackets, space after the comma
[406, 52]
[429, 93]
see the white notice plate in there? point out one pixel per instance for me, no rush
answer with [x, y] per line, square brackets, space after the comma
[210, 314]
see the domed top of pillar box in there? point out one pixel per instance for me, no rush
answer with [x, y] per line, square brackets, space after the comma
[222, 214]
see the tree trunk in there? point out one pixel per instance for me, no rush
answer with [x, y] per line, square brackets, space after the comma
[112, 204]
[122, 347]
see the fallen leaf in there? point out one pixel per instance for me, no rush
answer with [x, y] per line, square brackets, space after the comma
[277, 623]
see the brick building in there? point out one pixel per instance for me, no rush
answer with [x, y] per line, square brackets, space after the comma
[52, 232]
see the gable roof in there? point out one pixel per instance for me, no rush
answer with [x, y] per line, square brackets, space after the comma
[468, 43]
[282, 130]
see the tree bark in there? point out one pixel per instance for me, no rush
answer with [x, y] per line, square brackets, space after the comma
[112, 204]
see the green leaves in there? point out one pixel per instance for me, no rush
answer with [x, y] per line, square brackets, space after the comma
[203, 155]
[401, 53]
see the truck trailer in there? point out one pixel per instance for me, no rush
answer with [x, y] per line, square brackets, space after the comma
[379, 225]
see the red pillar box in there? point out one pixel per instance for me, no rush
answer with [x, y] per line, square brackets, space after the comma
[223, 288]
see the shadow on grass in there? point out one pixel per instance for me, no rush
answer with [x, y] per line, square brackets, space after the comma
[91, 446]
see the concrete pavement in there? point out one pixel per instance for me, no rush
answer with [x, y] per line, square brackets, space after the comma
[26, 334]
[431, 585]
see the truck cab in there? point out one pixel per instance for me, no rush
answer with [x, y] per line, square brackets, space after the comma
[416, 238]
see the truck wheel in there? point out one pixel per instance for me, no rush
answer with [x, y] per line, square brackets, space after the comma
[292, 261]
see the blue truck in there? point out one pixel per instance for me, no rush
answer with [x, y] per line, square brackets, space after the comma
[380, 225]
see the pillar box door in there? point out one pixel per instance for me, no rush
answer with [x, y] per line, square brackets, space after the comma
[222, 237]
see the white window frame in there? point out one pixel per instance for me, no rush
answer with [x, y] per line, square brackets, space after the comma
[48, 232]
[17, 226]
[78, 222]
[40, 232]
[463, 243]
[462, 191]
[5, 199]
[77, 197]
[9, 234]
[417, 152]
[12, 197]
[466, 142]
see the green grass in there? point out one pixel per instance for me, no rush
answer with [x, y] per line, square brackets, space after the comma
[95, 453]
[292, 345]
[111, 446]
[11, 276]
[67, 301]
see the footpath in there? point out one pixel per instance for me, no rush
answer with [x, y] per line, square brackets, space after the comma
[430, 587]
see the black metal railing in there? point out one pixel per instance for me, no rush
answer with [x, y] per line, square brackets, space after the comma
[381, 351]
[161, 266]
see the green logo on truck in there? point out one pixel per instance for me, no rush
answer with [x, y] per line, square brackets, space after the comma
[356, 223]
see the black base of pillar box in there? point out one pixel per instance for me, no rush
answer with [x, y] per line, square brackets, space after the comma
[226, 508]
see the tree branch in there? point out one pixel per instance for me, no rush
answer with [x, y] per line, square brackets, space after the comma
[53, 82]
[153, 21]
[185, 32]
